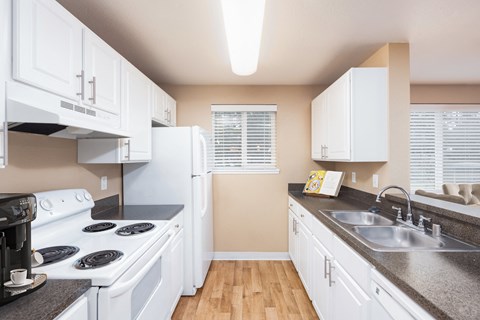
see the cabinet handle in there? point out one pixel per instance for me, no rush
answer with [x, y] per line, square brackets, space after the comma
[82, 85]
[302, 215]
[330, 267]
[325, 273]
[127, 156]
[94, 90]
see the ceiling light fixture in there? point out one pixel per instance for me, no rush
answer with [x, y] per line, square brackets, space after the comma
[243, 25]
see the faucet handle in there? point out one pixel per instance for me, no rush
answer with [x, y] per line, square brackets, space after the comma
[421, 219]
[399, 212]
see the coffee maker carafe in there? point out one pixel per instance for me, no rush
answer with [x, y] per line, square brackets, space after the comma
[16, 213]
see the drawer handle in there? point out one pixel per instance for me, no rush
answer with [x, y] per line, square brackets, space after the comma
[302, 215]
[177, 226]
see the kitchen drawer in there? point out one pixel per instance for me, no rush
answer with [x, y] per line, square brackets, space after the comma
[293, 205]
[304, 216]
[322, 233]
[354, 264]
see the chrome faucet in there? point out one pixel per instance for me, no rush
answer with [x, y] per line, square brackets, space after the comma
[409, 219]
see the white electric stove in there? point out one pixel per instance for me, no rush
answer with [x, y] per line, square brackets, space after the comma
[123, 258]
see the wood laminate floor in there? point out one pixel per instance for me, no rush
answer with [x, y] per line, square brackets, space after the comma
[248, 290]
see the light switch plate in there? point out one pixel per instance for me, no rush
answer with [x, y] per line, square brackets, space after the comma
[354, 177]
[103, 183]
[375, 180]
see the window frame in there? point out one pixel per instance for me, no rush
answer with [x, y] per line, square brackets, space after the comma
[244, 109]
[440, 158]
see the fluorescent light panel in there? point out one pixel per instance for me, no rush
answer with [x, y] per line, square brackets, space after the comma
[243, 26]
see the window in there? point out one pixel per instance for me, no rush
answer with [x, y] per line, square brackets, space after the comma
[244, 138]
[444, 146]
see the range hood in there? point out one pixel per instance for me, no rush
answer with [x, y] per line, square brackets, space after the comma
[36, 111]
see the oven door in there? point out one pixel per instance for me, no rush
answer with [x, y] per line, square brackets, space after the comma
[142, 292]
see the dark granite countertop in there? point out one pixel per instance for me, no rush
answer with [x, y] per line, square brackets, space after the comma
[47, 302]
[446, 284]
[138, 212]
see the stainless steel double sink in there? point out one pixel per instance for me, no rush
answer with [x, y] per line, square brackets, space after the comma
[383, 234]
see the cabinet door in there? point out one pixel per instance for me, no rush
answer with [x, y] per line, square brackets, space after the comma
[292, 238]
[137, 99]
[47, 51]
[172, 111]
[102, 74]
[304, 255]
[319, 127]
[5, 58]
[177, 262]
[348, 299]
[338, 115]
[320, 282]
[159, 105]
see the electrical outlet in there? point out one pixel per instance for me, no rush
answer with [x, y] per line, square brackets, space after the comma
[103, 183]
[375, 180]
[354, 177]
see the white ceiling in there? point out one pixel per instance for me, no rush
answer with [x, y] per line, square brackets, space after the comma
[304, 41]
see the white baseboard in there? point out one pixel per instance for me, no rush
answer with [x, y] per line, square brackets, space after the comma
[251, 256]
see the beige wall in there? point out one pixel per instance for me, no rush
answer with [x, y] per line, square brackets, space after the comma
[250, 210]
[397, 169]
[445, 94]
[39, 163]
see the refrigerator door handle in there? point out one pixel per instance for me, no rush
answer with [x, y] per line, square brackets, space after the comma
[204, 151]
[205, 196]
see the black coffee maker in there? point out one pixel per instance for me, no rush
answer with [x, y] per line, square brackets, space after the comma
[16, 213]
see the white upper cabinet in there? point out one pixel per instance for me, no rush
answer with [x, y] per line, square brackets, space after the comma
[137, 98]
[319, 126]
[5, 58]
[349, 119]
[47, 47]
[102, 74]
[164, 108]
[55, 52]
[136, 107]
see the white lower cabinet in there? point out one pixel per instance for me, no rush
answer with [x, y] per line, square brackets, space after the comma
[341, 284]
[299, 247]
[84, 308]
[349, 301]
[304, 243]
[292, 238]
[321, 280]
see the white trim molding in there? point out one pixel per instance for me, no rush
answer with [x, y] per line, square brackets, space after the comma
[251, 256]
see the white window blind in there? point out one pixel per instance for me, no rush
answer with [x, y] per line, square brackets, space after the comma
[444, 146]
[244, 138]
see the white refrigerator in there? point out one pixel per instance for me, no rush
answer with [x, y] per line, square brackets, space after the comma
[179, 173]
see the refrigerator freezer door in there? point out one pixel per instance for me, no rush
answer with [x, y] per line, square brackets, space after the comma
[202, 226]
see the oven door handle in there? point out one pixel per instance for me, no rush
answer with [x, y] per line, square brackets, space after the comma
[120, 288]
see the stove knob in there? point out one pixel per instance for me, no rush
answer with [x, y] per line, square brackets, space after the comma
[46, 204]
[79, 197]
[87, 196]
